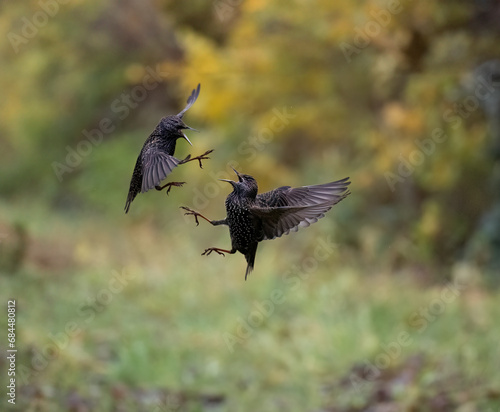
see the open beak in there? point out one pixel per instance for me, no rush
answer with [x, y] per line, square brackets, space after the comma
[191, 128]
[231, 181]
[228, 181]
[237, 174]
[185, 137]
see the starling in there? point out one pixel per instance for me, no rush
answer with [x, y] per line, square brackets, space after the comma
[156, 159]
[253, 217]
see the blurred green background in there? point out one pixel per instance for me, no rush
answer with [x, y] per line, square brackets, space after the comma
[389, 303]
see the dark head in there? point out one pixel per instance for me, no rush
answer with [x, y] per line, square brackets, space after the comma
[246, 184]
[173, 126]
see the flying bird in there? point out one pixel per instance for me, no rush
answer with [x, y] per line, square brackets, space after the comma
[156, 159]
[253, 217]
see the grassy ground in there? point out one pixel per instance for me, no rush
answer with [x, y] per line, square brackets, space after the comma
[124, 314]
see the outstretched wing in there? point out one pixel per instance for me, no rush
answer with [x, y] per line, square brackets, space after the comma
[156, 166]
[286, 209]
[190, 101]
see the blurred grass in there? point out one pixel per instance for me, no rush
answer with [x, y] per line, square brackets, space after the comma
[167, 327]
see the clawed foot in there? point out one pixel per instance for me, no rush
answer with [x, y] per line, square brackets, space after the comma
[199, 158]
[214, 249]
[192, 213]
[169, 185]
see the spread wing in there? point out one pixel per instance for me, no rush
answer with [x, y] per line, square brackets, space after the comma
[286, 209]
[156, 166]
[190, 101]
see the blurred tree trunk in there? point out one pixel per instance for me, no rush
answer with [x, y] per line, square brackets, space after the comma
[484, 246]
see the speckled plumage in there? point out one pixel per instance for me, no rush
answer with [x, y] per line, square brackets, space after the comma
[244, 227]
[253, 217]
[156, 159]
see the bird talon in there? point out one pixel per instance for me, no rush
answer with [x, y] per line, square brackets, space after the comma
[192, 213]
[176, 184]
[212, 249]
[200, 158]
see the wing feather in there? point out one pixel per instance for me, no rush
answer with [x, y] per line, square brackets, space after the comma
[157, 165]
[190, 101]
[285, 209]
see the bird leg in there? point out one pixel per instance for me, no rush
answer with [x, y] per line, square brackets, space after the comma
[196, 215]
[169, 185]
[199, 158]
[218, 250]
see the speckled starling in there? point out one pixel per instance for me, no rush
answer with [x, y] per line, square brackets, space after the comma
[156, 159]
[253, 217]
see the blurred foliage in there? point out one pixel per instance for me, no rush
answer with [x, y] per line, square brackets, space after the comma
[366, 84]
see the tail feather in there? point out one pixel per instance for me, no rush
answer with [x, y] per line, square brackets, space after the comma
[250, 257]
[130, 198]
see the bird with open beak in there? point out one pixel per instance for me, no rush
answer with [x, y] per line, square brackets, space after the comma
[156, 159]
[254, 217]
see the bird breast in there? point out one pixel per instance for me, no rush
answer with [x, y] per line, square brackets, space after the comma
[241, 226]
